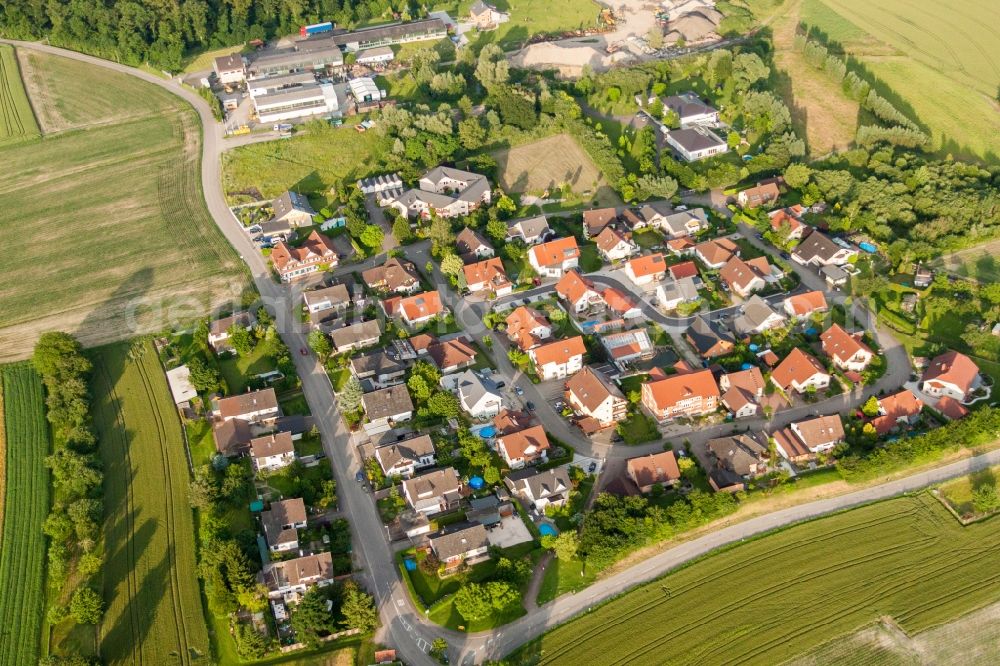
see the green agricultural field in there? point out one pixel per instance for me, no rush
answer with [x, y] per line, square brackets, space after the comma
[26, 487]
[150, 576]
[311, 162]
[768, 600]
[108, 206]
[940, 59]
[528, 18]
[17, 122]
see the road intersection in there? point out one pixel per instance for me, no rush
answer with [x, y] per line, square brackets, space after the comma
[404, 626]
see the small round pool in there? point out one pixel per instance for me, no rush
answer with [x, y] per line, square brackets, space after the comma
[410, 564]
[547, 530]
[487, 432]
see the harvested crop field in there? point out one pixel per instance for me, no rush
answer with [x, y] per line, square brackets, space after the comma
[781, 595]
[26, 490]
[109, 211]
[150, 578]
[980, 262]
[548, 164]
[17, 122]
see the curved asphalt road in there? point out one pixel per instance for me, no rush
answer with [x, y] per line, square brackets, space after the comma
[403, 626]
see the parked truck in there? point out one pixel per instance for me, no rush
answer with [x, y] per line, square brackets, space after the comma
[315, 29]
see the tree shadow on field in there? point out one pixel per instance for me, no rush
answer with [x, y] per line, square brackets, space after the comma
[122, 310]
[143, 590]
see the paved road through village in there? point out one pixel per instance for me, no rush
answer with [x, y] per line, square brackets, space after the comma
[404, 627]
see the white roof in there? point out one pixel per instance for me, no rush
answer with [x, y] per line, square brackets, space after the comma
[363, 87]
[180, 384]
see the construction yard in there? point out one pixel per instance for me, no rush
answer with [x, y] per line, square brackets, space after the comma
[108, 208]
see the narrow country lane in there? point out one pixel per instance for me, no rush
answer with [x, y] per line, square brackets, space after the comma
[405, 628]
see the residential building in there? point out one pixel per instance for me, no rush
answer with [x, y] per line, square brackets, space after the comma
[508, 421]
[356, 336]
[444, 191]
[290, 579]
[578, 292]
[218, 330]
[681, 247]
[415, 310]
[708, 338]
[790, 218]
[696, 143]
[835, 276]
[621, 304]
[899, 409]
[690, 109]
[558, 359]
[671, 294]
[654, 469]
[951, 374]
[281, 524]
[433, 492]
[680, 224]
[818, 249]
[404, 458]
[646, 269]
[685, 269]
[950, 408]
[456, 544]
[804, 305]
[591, 394]
[295, 262]
[757, 316]
[742, 278]
[846, 350]
[735, 459]
[716, 252]
[381, 183]
[488, 275]
[386, 407]
[375, 56]
[923, 277]
[254, 407]
[799, 371]
[761, 195]
[486, 16]
[628, 346]
[471, 245]
[540, 489]
[272, 452]
[336, 298]
[480, 398]
[555, 257]
[527, 327]
[596, 220]
[452, 355]
[615, 245]
[378, 367]
[742, 392]
[803, 440]
[653, 213]
[395, 276]
[523, 447]
[688, 394]
[230, 69]
[530, 231]
[232, 437]
[293, 209]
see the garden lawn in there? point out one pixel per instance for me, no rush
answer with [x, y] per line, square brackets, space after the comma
[150, 577]
[562, 577]
[26, 503]
[891, 559]
[638, 429]
[958, 494]
[239, 370]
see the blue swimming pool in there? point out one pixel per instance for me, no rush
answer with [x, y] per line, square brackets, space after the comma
[547, 530]
[410, 564]
[487, 432]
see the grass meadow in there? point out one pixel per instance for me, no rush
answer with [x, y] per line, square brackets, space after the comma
[108, 207]
[940, 59]
[151, 589]
[17, 122]
[26, 490]
[528, 18]
[782, 595]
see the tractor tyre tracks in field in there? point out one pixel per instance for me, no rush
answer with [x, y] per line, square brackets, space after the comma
[175, 593]
[132, 583]
[8, 108]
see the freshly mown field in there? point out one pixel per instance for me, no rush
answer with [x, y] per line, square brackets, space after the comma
[940, 58]
[528, 18]
[150, 579]
[981, 262]
[111, 214]
[779, 596]
[311, 162]
[17, 122]
[547, 165]
[26, 489]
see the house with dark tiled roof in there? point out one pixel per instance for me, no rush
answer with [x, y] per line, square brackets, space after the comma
[433, 492]
[461, 543]
[735, 459]
[281, 524]
[708, 338]
[404, 458]
[540, 489]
